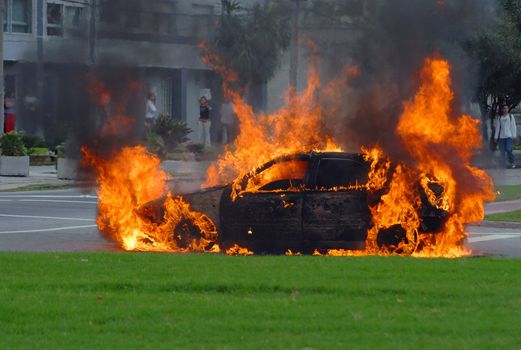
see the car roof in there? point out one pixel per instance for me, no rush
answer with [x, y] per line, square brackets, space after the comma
[302, 156]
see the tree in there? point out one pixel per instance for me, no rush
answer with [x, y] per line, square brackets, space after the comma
[252, 41]
[497, 49]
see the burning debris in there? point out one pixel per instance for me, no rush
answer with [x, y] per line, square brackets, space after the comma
[129, 180]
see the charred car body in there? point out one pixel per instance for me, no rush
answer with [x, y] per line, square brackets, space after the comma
[303, 202]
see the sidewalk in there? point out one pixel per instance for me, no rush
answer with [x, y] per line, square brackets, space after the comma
[38, 175]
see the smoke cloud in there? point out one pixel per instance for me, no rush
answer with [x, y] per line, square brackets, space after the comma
[393, 44]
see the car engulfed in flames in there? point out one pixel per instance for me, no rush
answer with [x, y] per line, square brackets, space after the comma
[306, 202]
[305, 194]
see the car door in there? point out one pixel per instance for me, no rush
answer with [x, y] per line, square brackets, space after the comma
[268, 212]
[335, 213]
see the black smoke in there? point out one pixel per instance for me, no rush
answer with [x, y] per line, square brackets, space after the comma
[394, 40]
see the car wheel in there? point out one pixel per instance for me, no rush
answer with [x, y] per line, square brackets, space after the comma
[200, 229]
[396, 240]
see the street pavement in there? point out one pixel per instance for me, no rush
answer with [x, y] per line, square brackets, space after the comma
[64, 220]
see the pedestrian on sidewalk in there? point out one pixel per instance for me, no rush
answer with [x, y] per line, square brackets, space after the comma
[204, 122]
[506, 133]
[9, 112]
[151, 112]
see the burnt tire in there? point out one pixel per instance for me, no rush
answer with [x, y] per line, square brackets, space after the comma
[199, 228]
[395, 240]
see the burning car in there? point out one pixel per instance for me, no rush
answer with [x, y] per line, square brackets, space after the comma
[301, 202]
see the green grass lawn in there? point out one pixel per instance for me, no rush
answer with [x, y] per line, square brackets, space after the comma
[508, 193]
[102, 301]
[511, 216]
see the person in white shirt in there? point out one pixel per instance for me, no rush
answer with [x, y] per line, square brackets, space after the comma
[151, 110]
[505, 134]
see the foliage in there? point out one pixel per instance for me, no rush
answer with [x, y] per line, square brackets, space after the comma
[252, 41]
[336, 12]
[192, 301]
[33, 141]
[60, 150]
[12, 144]
[511, 216]
[195, 148]
[154, 142]
[38, 151]
[497, 50]
[172, 130]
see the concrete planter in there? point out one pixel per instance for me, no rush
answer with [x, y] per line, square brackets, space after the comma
[14, 166]
[67, 168]
[186, 168]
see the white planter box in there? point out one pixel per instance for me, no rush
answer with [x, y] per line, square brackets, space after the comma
[193, 168]
[14, 166]
[67, 168]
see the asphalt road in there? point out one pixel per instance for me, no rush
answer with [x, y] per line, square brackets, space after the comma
[64, 221]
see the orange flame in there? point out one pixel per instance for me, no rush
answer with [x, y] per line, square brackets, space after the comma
[296, 127]
[131, 179]
[114, 120]
[441, 149]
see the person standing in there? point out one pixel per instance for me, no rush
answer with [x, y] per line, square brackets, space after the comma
[204, 122]
[31, 106]
[151, 111]
[505, 133]
[9, 113]
[227, 121]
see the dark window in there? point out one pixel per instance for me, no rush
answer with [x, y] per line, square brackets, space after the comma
[353, 7]
[17, 16]
[74, 20]
[341, 173]
[133, 14]
[110, 11]
[54, 19]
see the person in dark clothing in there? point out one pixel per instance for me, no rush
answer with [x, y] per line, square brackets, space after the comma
[204, 122]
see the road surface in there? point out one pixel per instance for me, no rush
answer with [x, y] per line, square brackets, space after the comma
[64, 221]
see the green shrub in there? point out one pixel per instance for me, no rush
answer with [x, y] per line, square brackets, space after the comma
[172, 130]
[195, 148]
[33, 141]
[154, 142]
[60, 150]
[12, 144]
[38, 151]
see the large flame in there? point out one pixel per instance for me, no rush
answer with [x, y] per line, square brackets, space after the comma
[437, 170]
[296, 127]
[440, 147]
[132, 178]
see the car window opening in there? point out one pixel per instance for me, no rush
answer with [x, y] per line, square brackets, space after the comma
[282, 176]
[341, 174]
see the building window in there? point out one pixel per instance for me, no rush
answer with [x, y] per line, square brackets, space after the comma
[110, 11]
[17, 16]
[74, 20]
[54, 19]
[133, 14]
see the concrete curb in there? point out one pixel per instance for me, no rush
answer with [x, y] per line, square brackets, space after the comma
[499, 224]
